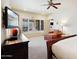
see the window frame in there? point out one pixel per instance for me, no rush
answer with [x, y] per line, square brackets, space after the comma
[34, 25]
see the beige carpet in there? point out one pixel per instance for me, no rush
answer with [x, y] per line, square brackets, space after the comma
[37, 48]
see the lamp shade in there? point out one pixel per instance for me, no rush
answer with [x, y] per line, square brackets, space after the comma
[14, 32]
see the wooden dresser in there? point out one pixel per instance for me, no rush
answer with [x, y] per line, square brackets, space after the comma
[15, 51]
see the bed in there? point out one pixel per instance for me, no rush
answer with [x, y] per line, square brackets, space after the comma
[66, 49]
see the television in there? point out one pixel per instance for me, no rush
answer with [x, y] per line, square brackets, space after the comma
[10, 18]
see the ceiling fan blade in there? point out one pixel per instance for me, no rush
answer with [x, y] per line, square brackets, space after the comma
[56, 3]
[55, 7]
[48, 7]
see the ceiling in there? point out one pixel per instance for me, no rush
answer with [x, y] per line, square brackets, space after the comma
[37, 5]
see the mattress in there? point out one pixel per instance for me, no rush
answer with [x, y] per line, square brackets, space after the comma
[66, 49]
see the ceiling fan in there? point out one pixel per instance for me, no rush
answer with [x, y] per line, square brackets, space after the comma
[50, 3]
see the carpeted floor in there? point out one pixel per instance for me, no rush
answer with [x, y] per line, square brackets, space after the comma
[37, 48]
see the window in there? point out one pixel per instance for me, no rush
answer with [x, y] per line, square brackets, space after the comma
[25, 24]
[33, 25]
[42, 24]
[38, 25]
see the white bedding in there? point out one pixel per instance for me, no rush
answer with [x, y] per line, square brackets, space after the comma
[66, 49]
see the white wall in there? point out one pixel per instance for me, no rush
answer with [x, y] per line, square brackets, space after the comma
[67, 12]
[5, 3]
[3, 30]
[34, 16]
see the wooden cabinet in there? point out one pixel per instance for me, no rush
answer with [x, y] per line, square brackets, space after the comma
[15, 51]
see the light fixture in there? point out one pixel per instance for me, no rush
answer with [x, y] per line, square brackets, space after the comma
[63, 23]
